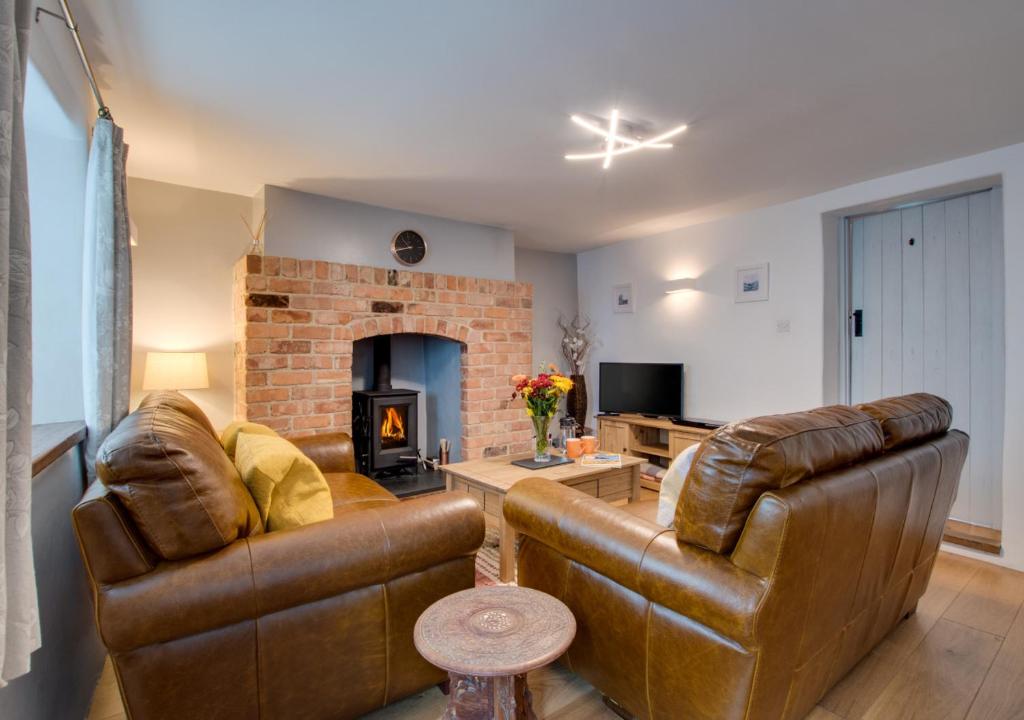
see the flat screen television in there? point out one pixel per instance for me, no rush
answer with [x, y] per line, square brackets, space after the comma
[643, 388]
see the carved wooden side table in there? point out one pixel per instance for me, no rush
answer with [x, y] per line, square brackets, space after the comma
[487, 638]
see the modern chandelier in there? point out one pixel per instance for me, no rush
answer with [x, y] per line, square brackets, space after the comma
[615, 143]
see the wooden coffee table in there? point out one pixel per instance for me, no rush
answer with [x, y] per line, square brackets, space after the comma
[488, 638]
[488, 480]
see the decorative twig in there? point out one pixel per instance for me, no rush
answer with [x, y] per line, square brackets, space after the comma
[257, 237]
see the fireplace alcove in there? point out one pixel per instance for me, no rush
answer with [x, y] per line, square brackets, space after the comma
[406, 391]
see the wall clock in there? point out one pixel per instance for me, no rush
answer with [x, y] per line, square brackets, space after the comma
[408, 247]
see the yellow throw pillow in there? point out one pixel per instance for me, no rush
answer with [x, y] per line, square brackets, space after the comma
[229, 435]
[288, 487]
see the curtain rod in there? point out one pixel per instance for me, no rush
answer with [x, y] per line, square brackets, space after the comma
[69, 22]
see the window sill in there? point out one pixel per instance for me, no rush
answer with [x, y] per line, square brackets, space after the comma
[52, 440]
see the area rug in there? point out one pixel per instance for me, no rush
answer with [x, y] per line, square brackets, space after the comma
[487, 559]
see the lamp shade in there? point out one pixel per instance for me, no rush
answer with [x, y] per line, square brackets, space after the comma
[175, 371]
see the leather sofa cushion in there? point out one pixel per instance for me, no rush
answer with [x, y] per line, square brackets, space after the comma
[352, 491]
[167, 467]
[332, 452]
[910, 418]
[288, 488]
[179, 403]
[739, 462]
[643, 509]
[229, 435]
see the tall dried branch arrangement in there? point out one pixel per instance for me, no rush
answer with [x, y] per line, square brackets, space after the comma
[577, 341]
[256, 248]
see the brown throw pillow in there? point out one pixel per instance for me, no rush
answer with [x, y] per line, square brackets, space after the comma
[170, 472]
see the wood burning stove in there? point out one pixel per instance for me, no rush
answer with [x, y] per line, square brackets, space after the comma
[384, 428]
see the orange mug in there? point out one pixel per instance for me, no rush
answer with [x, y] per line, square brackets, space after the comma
[589, 443]
[573, 448]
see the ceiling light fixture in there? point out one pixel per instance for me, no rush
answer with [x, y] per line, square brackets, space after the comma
[617, 144]
[613, 127]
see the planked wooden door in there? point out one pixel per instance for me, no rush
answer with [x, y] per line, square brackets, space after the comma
[928, 284]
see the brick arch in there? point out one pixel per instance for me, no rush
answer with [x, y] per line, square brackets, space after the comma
[296, 321]
[418, 325]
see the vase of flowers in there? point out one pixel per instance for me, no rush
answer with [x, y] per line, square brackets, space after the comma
[541, 394]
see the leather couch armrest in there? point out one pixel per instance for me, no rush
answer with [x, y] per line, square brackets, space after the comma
[267, 573]
[639, 555]
[111, 549]
[332, 452]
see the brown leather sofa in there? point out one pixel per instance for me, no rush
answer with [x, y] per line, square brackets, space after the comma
[207, 616]
[799, 542]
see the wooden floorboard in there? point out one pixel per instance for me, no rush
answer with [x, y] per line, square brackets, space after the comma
[1001, 696]
[820, 713]
[990, 601]
[939, 679]
[960, 656]
[853, 695]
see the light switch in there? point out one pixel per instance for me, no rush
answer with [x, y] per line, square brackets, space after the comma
[782, 326]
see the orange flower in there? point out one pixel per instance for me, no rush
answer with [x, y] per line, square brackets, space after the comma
[516, 379]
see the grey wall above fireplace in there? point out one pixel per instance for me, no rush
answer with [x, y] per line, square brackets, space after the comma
[305, 225]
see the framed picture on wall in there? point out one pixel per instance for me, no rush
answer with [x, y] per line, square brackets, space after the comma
[622, 298]
[752, 283]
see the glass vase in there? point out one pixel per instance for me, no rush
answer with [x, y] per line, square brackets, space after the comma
[541, 452]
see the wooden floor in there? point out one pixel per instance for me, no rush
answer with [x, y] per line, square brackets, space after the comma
[960, 656]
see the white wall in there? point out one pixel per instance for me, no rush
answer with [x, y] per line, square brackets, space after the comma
[189, 240]
[554, 292]
[738, 364]
[315, 227]
[57, 117]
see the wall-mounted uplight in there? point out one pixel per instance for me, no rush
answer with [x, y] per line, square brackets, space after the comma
[682, 285]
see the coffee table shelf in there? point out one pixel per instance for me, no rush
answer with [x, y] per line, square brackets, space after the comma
[489, 479]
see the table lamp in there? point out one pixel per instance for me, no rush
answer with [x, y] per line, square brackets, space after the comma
[175, 371]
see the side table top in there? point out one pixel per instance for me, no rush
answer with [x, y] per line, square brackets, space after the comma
[493, 631]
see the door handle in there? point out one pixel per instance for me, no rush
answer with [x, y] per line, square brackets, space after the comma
[858, 323]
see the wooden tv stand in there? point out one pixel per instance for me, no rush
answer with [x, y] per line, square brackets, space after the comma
[640, 436]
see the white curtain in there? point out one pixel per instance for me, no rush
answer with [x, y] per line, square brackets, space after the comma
[106, 289]
[19, 613]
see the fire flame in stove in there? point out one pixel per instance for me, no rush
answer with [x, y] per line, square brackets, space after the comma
[391, 426]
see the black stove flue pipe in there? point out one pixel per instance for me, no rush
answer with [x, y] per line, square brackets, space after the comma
[382, 362]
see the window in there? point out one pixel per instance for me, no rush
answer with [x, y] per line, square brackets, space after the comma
[57, 150]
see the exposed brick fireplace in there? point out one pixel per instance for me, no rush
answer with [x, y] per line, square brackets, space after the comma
[296, 321]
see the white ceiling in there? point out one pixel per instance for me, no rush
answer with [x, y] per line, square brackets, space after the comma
[460, 108]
